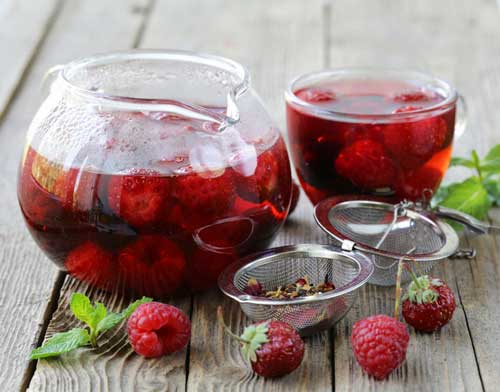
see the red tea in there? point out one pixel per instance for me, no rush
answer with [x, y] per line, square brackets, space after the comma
[149, 230]
[369, 136]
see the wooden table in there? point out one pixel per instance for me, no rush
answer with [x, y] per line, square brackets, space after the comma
[456, 39]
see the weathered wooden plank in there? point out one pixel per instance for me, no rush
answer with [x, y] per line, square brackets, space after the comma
[22, 28]
[455, 47]
[269, 39]
[112, 366]
[478, 283]
[441, 361]
[26, 275]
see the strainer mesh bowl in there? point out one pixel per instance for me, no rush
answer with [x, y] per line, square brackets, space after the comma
[387, 234]
[285, 265]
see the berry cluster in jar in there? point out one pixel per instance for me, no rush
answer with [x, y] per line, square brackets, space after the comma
[400, 157]
[148, 233]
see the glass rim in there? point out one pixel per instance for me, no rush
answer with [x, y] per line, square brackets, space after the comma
[444, 105]
[232, 67]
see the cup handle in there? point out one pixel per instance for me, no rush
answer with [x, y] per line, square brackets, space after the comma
[461, 117]
[49, 76]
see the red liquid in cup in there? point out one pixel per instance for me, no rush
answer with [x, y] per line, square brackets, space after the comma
[148, 233]
[400, 157]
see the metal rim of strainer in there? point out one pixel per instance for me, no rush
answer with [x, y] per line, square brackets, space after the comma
[230, 274]
[323, 210]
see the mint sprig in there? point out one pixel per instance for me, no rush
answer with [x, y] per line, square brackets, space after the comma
[97, 320]
[479, 192]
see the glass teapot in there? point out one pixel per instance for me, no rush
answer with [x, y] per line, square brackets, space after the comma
[151, 171]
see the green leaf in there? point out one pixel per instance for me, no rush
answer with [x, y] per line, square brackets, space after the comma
[108, 322]
[100, 312]
[470, 197]
[113, 319]
[82, 309]
[491, 163]
[457, 161]
[62, 342]
[493, 154]
[492, 185]
[130, 309]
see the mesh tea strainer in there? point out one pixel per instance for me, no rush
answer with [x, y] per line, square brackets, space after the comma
[284, 265]
[390, 232]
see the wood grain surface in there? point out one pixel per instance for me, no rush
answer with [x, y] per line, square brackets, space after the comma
[457, 40]
[28, 280]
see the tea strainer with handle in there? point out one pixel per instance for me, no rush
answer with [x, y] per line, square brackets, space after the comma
[347, 270]
[389, 232]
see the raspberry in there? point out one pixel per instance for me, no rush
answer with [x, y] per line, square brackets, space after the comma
[274, 348]
[203, 199]
[414, 143]
[366, 164]
[92, 264]
[140, 197]
[413, 96]
[407, 109]
[152, 265]
[428, 304]
[263, 183]
[379, 344]
[412, 184]
[156, 329]
[315, 95]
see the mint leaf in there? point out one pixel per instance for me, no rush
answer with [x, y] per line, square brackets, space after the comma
[456, 161]
[470, 197]
[62, 342]
[113, 319]
[130, 309]
[100, 312]
[491, 162]
[492, 185]
[108, 322]
[82, 309]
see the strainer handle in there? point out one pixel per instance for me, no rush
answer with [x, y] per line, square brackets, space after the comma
[469, 221]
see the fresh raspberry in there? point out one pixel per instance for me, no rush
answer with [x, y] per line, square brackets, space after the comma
[274, 348]
[315, 95]
[366, 164]
[295, 197]
[413, 96]
[413, 184]
[428, 304]
[156, 329]
[206, 265]
[139, 197]
[379, 344]
[152, 265]
[203, 199]
[92, 264]
[407, 109]
[414, 143]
